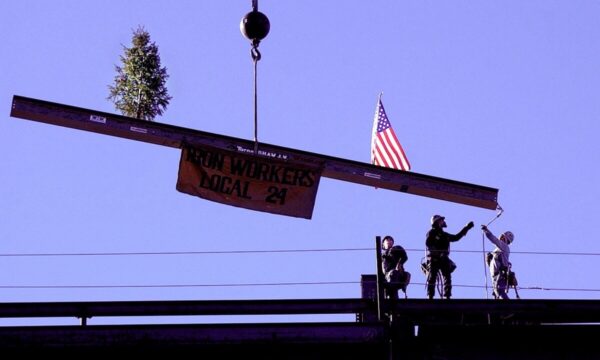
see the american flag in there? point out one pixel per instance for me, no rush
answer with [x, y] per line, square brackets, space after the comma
[386, 150]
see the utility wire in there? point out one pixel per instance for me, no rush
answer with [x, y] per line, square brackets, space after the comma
[173, 285]
[229, 252]
[134, 286]
[523, 252]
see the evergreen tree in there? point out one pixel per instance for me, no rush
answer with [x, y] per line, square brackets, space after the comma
[139, 89]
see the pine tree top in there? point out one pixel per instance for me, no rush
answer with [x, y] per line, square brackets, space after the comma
[139, 88]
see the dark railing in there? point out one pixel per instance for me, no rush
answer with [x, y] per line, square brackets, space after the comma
[86, 310]
[415, 311]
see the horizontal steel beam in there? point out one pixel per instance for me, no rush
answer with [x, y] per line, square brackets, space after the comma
[304, 341]
[185, 307]
[209, 339]
[174, 136]
[417, 311]
[533, 311]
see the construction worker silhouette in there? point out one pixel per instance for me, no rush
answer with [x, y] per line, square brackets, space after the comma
[438, 251]
[498, 261]
[392, 262]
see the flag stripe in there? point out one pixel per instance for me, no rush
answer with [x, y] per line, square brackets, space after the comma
[386, 150]
[388, 142]
[396, 150]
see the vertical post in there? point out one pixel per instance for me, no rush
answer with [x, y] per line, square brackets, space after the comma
[380, 279]
[381, 299]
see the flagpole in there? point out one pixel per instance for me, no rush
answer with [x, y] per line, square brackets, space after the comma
[374, 131]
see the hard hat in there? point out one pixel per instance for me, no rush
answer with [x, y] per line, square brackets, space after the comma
[509, 236]
[435, 218]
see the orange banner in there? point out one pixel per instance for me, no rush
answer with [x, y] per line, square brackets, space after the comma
[251, 182]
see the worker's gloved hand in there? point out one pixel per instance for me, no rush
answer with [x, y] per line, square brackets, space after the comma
[470, 225]
[484, 228]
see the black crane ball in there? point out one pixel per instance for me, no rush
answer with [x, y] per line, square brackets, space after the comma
[255, 26]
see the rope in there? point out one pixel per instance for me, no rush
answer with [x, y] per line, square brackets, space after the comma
[485, 267]
[485, 274]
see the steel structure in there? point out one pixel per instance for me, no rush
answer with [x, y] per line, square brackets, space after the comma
[333, 167]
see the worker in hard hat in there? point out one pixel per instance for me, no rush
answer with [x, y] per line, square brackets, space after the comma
[393, 258]
[438, 251]
[498, 261]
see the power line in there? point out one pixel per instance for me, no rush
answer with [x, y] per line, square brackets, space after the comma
[173, 285]
[229, 252]
[134, 286]
[532, 252]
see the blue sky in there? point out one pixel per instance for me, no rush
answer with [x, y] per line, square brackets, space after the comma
[500, 94]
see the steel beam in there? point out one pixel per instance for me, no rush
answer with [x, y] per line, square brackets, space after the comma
[417, 311]
[174, 136]
[185, 307]
[297, 341]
